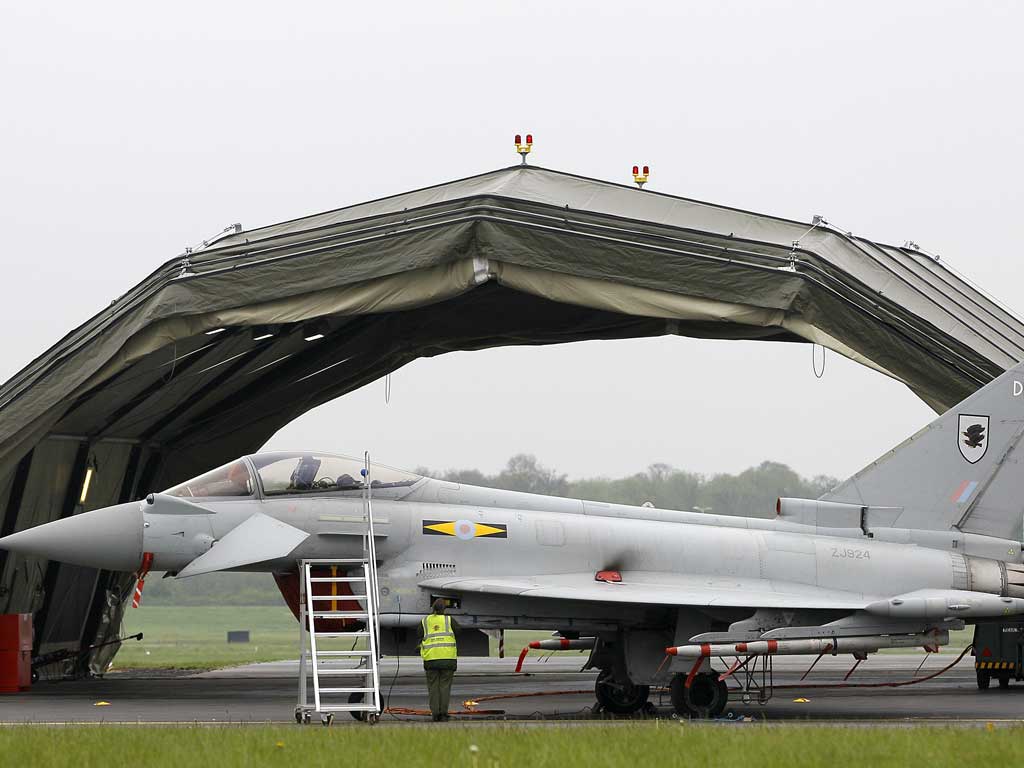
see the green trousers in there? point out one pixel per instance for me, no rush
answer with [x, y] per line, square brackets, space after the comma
[439, 685]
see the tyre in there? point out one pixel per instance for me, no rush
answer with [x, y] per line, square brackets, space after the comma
[617, 697]
[706, 697]
[984, 678]
[357, 698]
[1004, 682]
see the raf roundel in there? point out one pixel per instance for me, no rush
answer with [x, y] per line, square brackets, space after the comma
[465, 529]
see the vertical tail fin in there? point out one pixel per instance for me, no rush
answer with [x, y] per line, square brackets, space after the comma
[965, 470]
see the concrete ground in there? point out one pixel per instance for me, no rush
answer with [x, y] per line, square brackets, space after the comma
[267, 693]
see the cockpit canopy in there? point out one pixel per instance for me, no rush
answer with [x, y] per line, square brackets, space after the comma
[295, 473]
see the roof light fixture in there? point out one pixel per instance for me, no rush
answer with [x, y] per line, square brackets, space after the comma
[314, 331]
[641, 178]
[86, 482]
[261, 332]
[524, 149]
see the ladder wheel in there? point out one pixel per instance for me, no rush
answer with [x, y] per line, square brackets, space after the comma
[306, 717]
[298, 716]
[372, 718]
[327, 719]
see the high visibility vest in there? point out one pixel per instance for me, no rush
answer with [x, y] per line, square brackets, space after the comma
[438, 638]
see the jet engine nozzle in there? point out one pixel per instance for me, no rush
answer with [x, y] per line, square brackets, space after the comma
[108, 538]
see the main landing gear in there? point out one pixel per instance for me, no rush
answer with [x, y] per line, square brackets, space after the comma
[620, 697]
[705, 697]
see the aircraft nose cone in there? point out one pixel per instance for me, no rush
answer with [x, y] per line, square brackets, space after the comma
[109, 538]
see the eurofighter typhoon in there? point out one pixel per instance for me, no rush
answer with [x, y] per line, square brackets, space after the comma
[922, 541]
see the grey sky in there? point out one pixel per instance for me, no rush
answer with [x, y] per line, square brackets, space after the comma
[129, 132]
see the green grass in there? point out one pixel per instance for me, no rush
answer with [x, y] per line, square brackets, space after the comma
[664, 743]
[195, 637]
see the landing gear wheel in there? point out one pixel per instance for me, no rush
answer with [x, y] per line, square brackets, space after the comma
[327, 719]
[357, 698]
[617, 697]
[1004, 682]
[984, 678]
[706, 697]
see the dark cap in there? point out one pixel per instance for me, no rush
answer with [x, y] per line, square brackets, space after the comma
[439, 605]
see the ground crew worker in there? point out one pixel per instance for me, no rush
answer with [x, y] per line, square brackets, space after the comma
[440, 657]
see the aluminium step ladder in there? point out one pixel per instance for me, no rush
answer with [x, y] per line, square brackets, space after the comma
[357, 690]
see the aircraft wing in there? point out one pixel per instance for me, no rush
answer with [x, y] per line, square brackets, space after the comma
[658, 588]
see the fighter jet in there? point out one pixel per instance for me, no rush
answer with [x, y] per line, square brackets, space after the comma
[923, 540]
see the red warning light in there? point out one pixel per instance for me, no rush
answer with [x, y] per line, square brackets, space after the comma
[524, 149]
[636, 170]
[646, 170]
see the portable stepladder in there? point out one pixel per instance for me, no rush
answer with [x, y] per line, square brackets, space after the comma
[359, 691]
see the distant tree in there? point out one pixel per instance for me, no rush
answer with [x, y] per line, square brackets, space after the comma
[468, 476]
[524, 473]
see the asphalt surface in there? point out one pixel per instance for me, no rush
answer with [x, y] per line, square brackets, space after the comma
[268, 692]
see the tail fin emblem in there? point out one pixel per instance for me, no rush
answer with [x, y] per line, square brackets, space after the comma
[972, 437]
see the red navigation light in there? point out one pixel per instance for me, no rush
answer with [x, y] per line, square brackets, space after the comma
[646, 170]
[610, 577]
[519, 139]
[529, 138]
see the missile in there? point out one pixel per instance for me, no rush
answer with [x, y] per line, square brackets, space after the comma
[810, 646]
[563, 644]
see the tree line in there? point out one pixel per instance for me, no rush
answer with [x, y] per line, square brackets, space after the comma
[751, 493]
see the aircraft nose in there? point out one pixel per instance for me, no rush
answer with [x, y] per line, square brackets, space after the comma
[109, 538]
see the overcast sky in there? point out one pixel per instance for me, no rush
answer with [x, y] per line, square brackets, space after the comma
[130, 130]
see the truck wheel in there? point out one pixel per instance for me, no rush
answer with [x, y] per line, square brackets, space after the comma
[1004, 682]
[619, 698]
[984, 678]
[706, 697]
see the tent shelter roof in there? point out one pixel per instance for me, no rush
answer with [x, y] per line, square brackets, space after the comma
[208, 356]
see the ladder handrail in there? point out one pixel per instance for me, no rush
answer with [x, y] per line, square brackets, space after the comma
[371, 545]
[306, 570]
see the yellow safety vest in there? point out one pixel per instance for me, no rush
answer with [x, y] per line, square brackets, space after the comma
[438, 638]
